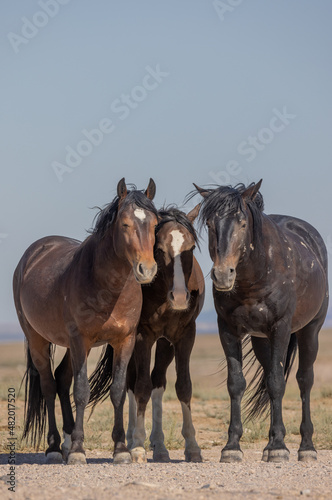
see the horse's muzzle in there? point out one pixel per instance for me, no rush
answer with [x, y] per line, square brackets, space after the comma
[179, 300]
[223, 279]
[143, 273]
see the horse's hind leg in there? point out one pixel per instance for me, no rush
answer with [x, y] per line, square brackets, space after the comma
[163, 358]
[78, 355]
[40, 355]
[308, 347]
[183, 348]
[63, 376]
[272, 356]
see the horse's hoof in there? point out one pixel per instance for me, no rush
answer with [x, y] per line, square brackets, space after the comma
[54, 457]
[193, 456]
[278, 456]
[265, 456]
[138, 455]
[161, 456]
[123, 457]
[66, 446]
[229, 456]
[76, 458]
[307, 456]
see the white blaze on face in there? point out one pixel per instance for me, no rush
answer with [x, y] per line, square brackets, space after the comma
[140, 214]
[177, 240]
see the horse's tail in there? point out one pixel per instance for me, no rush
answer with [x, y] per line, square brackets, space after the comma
[34, 404]
[101, 379]
[258, 401]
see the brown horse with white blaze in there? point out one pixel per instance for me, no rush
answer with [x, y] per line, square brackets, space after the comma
[80, 295]
[171, 305]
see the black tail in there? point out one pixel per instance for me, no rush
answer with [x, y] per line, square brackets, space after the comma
[258, 401]
[101, 379]
[34, 404]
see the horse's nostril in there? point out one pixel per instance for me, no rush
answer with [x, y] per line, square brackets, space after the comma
[171, 295]
[140, 269]
[231, 271]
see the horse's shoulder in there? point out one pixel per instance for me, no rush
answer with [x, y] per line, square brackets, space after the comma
[197, 277]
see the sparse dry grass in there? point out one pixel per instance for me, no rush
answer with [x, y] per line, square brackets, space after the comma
[210, 404]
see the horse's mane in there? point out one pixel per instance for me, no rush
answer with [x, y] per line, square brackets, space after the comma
[226, 200]
[172, 213]
[106, 215]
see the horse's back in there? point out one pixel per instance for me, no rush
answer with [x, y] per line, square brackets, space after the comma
[303, 233]
[45, 255]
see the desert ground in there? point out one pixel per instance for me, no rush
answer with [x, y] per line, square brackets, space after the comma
[251, 478]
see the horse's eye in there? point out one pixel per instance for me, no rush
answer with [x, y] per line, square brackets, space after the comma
[125, 225]
[244, 225]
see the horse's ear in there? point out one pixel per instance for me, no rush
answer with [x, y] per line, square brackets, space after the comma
[251, 192]
[203, 192]
[122, 189]
[193, 213]
[151, 190]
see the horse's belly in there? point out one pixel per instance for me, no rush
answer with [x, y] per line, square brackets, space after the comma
[257, 334]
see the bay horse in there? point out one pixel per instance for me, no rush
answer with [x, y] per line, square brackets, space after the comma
[269, 282]
[171, 304]
[80, 295]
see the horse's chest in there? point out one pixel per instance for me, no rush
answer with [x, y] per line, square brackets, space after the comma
[106, 317]
[251, 319]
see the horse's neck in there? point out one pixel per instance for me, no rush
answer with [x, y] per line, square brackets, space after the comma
[105, 269]
[259, 261]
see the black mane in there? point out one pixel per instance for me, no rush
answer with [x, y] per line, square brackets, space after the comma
[107, 215]
[172, 213]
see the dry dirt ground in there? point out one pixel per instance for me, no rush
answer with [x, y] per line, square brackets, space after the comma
[99, 479]
[211, 479]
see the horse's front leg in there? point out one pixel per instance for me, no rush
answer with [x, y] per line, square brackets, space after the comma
[142, 391]
[78, 353]
[122, 354]
[163, 358]
[236, 385]
[183, 388]
[275, 384]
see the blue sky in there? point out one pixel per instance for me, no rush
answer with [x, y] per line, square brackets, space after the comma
[181, 91]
